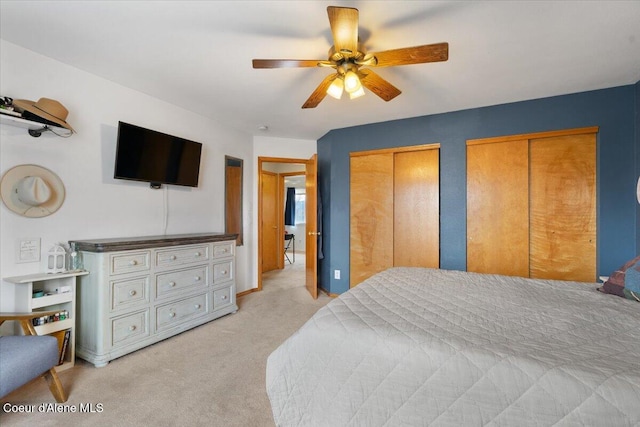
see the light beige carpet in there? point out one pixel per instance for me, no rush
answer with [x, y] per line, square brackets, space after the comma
[212, 375]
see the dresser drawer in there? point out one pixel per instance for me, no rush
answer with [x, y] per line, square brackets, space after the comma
[222, 298]
[178, 256]
[170, 283]
[177, 312]
[224, 249]
[130, 292]
[223, 272]
[129, 328]
[130, 262]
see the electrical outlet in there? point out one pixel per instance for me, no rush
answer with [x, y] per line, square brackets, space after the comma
[336, 274]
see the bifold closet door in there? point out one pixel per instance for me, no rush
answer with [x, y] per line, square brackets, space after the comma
[498, 208]
[371, 215]
[416, 205]
[563, 208]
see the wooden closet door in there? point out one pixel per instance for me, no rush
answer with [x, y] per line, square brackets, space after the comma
[371, 215]
[563, 208]
[416, 204]
[498, 208]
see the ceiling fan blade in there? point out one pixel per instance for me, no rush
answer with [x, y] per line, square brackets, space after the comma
[378, 85]
[321, 91]
[285, 63]
[344, 27]
[413, 55]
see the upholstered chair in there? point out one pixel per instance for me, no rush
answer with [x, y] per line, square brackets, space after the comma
[26, 357]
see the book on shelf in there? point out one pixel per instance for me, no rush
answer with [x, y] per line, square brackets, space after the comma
[63, 342]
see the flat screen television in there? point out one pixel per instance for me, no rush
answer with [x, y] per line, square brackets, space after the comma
[155, 157]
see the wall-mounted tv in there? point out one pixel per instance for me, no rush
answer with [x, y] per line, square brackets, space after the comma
[155, 157]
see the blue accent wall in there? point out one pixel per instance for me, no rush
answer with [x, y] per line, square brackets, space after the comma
[613, 110]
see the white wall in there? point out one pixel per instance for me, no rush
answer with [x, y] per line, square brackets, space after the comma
[96, 205]
[275, 147]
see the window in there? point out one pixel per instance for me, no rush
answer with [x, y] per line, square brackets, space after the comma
[300, 206]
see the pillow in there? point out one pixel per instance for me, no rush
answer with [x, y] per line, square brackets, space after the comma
[625, 282]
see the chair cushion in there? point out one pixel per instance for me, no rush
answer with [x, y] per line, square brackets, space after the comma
[23, 358]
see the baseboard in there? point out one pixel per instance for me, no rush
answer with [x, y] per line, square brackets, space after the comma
[243, 293]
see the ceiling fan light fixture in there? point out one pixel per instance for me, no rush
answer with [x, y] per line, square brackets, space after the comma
[335, 89]
[351, 82]
[357, 93]
[347, 55]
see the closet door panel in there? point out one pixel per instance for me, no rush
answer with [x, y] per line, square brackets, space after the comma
[371, 215]
[416, 228]
[563, 208]
[498, 208]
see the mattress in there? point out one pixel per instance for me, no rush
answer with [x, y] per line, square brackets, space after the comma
[414, 346]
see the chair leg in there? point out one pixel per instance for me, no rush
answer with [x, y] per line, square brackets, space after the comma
[55, 385]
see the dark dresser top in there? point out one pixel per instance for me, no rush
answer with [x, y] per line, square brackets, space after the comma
[146, 242]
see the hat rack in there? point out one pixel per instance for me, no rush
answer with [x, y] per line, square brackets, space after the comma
[35, 129]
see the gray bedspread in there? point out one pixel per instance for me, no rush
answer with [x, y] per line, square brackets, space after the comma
[413, 347]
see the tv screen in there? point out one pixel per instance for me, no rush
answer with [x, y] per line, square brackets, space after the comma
[155, 157]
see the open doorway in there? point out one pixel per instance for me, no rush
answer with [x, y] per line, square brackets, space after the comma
[281, 220]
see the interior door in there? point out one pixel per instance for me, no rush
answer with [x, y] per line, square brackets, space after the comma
[563, 208]
[311, 246]
[531, 205]
[498, 208]
[371, 215]
[270, 235]
[416, 209]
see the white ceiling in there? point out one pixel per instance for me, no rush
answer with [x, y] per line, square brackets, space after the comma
[197, 54]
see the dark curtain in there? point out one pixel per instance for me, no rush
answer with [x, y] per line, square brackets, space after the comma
[290, 207]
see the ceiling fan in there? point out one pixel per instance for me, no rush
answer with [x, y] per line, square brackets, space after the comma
[347, 58]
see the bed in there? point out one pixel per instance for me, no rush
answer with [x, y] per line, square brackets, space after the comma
[414, 346]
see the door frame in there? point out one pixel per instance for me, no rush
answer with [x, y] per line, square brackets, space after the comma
[262, 160]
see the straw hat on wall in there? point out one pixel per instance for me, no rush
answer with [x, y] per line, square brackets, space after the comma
[32, 191]
[48, 109]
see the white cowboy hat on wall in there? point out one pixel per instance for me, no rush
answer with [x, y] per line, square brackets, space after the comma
[32, 191]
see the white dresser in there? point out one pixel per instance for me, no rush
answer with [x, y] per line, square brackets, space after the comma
[142, 290]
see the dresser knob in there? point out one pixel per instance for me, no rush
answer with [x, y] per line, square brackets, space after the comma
[172, 257]
[197, 306]
[133, 262]
[132, 328]
[172, 314]
[224, 297]
[132, 292]
[172, 284]
[196, 279]
[224, 271]
[198, 254]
